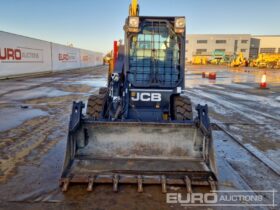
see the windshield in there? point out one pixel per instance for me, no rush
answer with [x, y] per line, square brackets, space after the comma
[154, 56]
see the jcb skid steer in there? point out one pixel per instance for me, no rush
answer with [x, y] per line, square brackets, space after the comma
[140, 128]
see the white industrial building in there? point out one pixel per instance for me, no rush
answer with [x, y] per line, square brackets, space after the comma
[264, 44]
[250, 46]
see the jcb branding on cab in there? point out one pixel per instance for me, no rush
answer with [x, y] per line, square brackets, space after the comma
[154, 97]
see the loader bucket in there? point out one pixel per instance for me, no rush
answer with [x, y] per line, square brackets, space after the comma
[138, 153]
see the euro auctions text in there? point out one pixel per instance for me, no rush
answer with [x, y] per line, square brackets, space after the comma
[224, 198]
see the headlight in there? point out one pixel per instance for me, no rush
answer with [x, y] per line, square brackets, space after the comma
[115, 77]
[180, 25]
[133, 22]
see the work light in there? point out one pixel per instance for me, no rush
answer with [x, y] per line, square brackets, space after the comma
[180, 24]
[133, 22]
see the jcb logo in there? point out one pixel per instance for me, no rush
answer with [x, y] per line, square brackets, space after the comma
[154, 97]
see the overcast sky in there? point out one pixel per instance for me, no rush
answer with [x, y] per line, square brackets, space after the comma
[94, 24]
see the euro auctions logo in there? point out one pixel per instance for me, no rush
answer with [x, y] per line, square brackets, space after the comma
[85, 58]
[67, 57]
[192, 198]
[63, 57]
[238, 198]
[10, 54]
[21, 55]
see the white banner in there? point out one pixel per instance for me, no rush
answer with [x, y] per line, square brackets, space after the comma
[64, 57]
[21, 55]
[89, 58]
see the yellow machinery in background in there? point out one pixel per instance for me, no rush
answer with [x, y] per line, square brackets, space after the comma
[134, 8]
[238, 60]
[108, 57]
[267, 60]
[109, 60]
[219, 57]
[199, 60]
[215, 61]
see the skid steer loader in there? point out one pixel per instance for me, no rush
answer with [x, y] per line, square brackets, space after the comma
[140, 129]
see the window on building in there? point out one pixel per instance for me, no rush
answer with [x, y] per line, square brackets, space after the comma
[221, 41]
[202, 41]
[278, 50]
[220, 50]
[200, 51]
[187, 41]
[253, 53]
[243, 50]
[267, 50]
[244, 41]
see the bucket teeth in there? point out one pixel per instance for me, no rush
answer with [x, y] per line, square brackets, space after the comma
[140, 183]
[140, 179]
[115, 182]
[212, 184]
[188, 184]
[163, 184]
[90, 184]
[65, 185]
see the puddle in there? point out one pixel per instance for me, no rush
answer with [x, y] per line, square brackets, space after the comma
[92, 82]
[39, 92]
[13, 117]
[227, 76]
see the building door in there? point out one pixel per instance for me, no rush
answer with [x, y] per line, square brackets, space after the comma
[235, 46]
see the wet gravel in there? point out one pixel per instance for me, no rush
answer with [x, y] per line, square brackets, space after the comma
[33, 138]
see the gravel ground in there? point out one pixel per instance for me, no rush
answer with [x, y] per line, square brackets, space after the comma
[33, 129]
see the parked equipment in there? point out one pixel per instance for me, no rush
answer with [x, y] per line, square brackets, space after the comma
[238, 60]
[199, 60]
[267, 60]
[140, 128]
[107, 58]
[219, 57]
